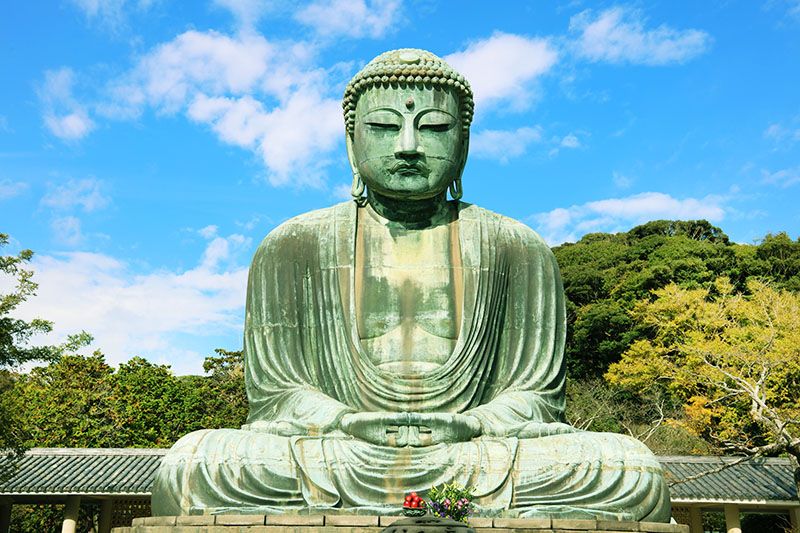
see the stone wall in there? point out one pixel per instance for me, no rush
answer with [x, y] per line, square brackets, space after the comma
[375, 524]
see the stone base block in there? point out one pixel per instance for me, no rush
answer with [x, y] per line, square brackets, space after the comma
[375, 524]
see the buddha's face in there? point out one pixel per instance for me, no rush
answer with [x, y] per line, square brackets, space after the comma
[408, 143]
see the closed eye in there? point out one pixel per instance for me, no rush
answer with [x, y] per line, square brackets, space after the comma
[383, 126]
[440, 127]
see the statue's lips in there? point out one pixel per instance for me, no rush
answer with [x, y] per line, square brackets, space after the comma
[405, 168]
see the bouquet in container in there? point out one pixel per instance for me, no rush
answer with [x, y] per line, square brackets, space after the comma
[451, 501]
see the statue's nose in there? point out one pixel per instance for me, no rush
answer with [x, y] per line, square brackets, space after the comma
[408, 142]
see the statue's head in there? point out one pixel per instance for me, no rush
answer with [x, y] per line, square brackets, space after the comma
[407, 115]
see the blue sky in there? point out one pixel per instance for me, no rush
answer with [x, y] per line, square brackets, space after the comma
[146, 147]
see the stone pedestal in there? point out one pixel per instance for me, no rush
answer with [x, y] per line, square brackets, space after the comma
[376, 524]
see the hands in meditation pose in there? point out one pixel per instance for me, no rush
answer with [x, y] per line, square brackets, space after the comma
[403, 340]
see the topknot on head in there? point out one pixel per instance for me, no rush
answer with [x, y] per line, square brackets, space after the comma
[407, 67]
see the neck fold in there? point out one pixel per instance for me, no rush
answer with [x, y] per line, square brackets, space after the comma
[409, 213]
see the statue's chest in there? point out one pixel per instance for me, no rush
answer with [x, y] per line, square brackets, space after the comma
[406, 295]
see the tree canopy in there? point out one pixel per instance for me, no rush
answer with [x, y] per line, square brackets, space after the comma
[731, 359]
[16, 333]
[606, 274]
[81, 401]
[15, 347]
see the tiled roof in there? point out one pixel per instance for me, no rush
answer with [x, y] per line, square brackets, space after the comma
[84, 471]
[131, 471]
[759, 479]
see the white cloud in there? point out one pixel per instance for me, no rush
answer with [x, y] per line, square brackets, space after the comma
[782, 178]
[790, 9]
[503, 145]
[168, 76]
[10, 189]
[254, 221]
[342, 191]
[618, 35]
[67, 230]
[616, 214]
[247, 12]
[86, 194]
[504, 67]
[350, 18]
[622, 181]
[72, 126]
[64, 199]
[255, 94]
[305, 127]
[793, 9]
[570, 141]
[111, 13]
[780, 133]
[146, 314]
[208, 232]
[64, 116]
[774, 131]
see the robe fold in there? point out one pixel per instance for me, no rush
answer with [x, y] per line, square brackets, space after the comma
[305, 369]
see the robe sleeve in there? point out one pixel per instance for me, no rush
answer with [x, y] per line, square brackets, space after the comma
[282, 344]
[526, 398]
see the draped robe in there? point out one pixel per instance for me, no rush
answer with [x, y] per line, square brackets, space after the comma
[305, 369]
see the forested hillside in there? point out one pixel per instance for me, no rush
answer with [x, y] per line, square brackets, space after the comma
[606, 274]
[685, 340]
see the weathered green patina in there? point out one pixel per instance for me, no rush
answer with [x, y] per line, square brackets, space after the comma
[401, 341]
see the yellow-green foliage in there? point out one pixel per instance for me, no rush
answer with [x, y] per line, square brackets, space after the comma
[732, 359]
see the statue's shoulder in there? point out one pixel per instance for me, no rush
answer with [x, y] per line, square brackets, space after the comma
[303, 230]
[509, 230]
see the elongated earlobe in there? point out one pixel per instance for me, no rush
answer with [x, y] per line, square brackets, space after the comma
[357, 190]
[456, 192]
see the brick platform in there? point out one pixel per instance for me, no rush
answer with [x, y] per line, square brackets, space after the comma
[375, 524]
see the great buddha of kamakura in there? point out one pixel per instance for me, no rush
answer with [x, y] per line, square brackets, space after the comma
[402, 340]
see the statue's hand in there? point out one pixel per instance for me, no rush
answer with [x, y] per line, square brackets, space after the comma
[533, 430]
[375, 427]
[435, 428]
[410, 429]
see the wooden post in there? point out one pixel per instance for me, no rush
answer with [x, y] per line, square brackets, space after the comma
[106, 507]
[5, 516]
[695, 520]
[732, 522]
[71, 510]
[794, 517]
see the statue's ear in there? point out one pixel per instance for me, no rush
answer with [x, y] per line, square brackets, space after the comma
[464, 152]
[350, 155]
[357, 189]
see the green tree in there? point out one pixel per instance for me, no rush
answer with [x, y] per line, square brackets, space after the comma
[81, 401]
[151, 406]
[696, 230]
[16, 333]
[15, 349]
[69, 403]
[606, 274]
[731, 359]
[777, 258]
[226, 395]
